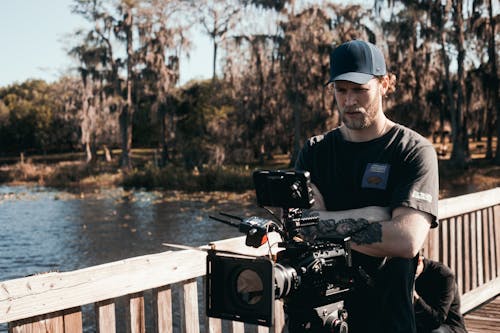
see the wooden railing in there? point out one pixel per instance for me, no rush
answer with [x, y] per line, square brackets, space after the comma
[147, 289]
[468, 241]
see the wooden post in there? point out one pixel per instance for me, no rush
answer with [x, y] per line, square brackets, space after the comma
[237, 327]
[162, 309]
[479, 248]
[486, 246]
[73, 320]
[262, 329]
[496, 213]
[135, 315]
[105, 316]
[473, 250]
[452, 228]
[459, 273]
[467, 256]
[433, 241]
[444, 245]
[189, 307]
[493, 243]
[213, 325]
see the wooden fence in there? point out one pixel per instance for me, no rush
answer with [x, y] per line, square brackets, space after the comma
[147, 289]
[468, 241]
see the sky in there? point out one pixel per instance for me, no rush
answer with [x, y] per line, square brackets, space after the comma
[35, 36]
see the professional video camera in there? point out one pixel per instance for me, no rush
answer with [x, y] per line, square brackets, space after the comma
[312, 277]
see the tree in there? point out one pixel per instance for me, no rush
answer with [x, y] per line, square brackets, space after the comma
[460, 152]
[114, 23]
[124, 31]
[495, 85]
[206, 124]
[161, 35]
[216, 18]
[37, 117]
[91, 54]
[485, 29]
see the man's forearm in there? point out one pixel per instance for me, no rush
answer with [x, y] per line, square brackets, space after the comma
[373, 231]
[360, 230]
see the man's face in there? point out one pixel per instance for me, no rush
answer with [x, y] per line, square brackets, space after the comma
[358, 103]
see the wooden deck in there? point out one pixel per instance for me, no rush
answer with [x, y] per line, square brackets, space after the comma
[484, 319]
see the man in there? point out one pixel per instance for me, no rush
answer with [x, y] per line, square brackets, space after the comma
[436, 299]
[376, 181]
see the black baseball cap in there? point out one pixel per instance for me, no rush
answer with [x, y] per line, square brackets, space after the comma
[356, 61]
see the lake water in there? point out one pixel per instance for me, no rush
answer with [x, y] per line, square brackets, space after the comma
[44, 229]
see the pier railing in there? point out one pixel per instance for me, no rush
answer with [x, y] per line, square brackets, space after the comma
[147, 289]
[468, 241]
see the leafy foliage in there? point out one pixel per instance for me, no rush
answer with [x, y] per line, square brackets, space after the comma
[269, 95]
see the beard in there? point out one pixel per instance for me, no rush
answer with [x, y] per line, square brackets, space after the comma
[359, 117]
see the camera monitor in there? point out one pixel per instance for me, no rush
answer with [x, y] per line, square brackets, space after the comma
[245, 288]
[285, 189]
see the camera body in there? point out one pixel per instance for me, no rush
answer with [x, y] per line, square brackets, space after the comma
[312, 278]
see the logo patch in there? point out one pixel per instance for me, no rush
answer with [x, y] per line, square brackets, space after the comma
[376, 176]
[421, 196]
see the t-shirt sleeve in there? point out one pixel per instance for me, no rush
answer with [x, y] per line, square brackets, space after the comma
[418, 186]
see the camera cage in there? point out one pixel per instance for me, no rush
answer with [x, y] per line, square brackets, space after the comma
[285, 189]
[290, 191]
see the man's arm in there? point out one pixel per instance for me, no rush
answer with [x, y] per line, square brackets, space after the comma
[375, 232]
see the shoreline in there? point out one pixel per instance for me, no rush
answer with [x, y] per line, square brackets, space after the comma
[78, 176]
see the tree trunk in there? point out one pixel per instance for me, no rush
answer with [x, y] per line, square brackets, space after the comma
[107, 154]
[297, 128]
[214, 64]
[448, 88]
[495, 101]
[162, 114]
[459, 153]
[125, 120]
[128, 111]
[88, 153]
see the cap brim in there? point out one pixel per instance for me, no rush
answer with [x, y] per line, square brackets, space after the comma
[359, 78]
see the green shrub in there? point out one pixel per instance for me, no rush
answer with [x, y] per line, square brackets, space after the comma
[177, 178]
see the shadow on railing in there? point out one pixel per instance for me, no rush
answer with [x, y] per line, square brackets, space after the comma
[467, 241]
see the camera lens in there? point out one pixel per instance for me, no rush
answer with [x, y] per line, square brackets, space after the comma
[336, 323]
[249, 287]
[285, 278]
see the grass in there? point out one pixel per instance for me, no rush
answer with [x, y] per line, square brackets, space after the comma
[54, 171]
[177, 178]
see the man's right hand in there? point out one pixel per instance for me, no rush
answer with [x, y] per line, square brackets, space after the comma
[319, 202]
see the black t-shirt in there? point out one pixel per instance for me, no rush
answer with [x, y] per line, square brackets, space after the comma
[439, 301]
[397, 169]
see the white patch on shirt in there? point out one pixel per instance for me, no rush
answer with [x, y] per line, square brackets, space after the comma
[422, 196]
[316, 139]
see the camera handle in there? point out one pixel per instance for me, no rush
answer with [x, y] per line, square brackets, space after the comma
[293, 220]
[255, 228]
[329, 318]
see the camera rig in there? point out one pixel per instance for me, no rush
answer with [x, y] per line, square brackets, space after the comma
[311, 277]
